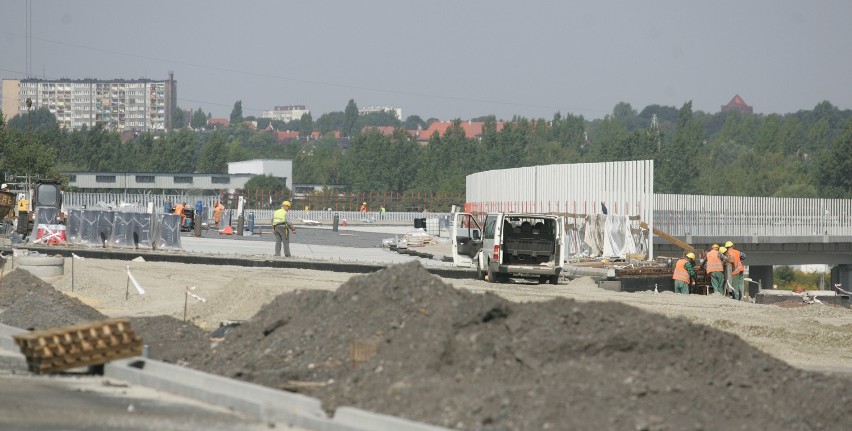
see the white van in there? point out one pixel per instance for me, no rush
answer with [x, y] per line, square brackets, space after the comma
[505, 245]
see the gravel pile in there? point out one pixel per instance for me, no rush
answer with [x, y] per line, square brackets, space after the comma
[402, 342]
[170, 339]
[34, 304]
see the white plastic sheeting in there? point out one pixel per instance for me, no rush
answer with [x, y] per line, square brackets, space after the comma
[167, 233]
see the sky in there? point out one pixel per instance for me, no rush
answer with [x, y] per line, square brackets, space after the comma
[446, 59]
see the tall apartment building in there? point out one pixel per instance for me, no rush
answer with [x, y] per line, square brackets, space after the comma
[143, 105]
[286, 113]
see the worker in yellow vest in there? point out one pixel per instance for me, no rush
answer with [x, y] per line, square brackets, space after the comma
[716, 270]
[683, 274]
[282, 229]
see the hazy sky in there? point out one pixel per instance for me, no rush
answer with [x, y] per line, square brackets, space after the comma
[447, 59]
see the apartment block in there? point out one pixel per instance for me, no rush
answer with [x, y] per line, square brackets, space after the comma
[286, 113]
[142, 105]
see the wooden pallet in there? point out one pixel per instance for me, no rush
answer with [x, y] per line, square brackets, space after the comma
[93, 343]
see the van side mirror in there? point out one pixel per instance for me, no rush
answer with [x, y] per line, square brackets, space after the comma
[475, 234]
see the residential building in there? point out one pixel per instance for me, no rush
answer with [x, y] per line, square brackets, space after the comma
[286, 113]
[737, 104]
[392, 109]
[472, 129]
[142, 105]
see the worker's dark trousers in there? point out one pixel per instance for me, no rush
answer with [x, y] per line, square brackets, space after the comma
[282, 237]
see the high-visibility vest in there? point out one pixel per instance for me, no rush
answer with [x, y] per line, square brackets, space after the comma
[279, 216]
[714, 262]
[680, 272]
[736, 262]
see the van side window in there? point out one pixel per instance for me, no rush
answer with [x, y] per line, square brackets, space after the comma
[490, 224]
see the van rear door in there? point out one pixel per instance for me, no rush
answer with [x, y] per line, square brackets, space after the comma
[466, 236]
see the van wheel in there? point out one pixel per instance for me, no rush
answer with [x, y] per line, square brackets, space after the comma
[554, 279]
[491, 277]
[480, 274]
[542, 279]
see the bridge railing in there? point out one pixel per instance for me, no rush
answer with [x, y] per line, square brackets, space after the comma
[682, 215]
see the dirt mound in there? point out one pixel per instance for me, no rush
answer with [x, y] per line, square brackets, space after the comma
[170, 339]
[402, 342]
[17, 283]
[33, 304]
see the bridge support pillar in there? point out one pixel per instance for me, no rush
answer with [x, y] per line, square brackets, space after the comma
[842, 274]
[761, 273]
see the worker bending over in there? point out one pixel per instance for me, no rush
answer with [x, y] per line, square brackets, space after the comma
[282, 229]
[684, 275]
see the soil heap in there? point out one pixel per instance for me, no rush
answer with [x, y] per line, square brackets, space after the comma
[401, 342]
[34, 304]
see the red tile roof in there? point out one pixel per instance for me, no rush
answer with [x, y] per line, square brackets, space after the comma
[472, 129]
[218, 122]
[286, 136]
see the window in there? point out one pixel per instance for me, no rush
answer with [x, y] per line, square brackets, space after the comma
[182, 180]
[105, 178]
[220, 180]
[144, 178]
[490, 224]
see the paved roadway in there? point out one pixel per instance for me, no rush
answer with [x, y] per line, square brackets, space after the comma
[361, 243]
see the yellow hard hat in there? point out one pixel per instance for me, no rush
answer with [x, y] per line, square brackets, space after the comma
[715, 246]
[363, 203]
[286, 203]
[690, 255]
[723, 249]
[729, 244]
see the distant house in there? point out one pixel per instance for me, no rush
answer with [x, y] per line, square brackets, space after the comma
[737, 104]
[472, 129]
[215, 123]
[287, 135]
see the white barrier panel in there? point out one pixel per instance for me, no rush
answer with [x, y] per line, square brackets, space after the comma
[167, 232]
[122, 231]
[73, 224]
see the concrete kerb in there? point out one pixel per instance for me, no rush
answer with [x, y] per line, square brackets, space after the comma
[253, 400]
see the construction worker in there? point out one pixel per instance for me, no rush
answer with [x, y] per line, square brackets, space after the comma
[684, 275]
[179, 211]
[217, 212]
[737, 269]
[716, 270]
[282, 229]
[364, 208]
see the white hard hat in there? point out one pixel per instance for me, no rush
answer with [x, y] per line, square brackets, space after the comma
[4, 186]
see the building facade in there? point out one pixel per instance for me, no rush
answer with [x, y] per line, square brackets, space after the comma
[397, 112]
[142, 105]
[286, 113]
[279, 168]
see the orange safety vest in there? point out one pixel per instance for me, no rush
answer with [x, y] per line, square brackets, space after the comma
[680, 272]
[736, 262]
[714, 262]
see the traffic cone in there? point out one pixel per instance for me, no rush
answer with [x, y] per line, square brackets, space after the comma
[226, 231]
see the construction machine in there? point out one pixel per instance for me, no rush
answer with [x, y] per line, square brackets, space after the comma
[47, 194]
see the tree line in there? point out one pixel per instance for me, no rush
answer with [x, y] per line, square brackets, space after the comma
[803, 154]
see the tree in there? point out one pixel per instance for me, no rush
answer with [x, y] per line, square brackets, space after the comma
[676, 170]
[179, 118]
[237, 112]
[414, 122]
[266, 183]
[214, 155]
[198, 120]
[23, 154]
[350, 118]
[834, 172]
[41, 118]
[306, 124]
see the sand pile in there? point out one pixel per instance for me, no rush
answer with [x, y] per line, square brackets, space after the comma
[402, 342]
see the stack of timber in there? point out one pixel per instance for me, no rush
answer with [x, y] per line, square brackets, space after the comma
[93, 343]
